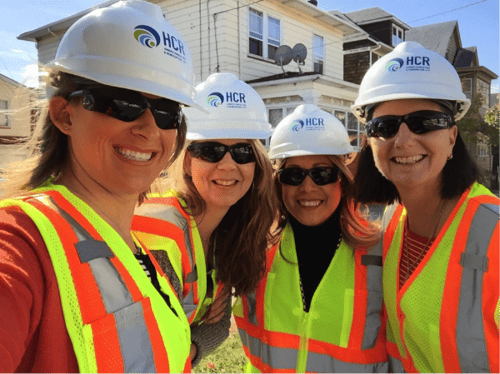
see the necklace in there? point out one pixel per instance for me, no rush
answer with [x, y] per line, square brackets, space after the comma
[424, 250]
[300, 278]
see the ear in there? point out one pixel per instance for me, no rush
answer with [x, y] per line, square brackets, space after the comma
[60, 111]
[348, 158]
[187, 164]
[453, 135]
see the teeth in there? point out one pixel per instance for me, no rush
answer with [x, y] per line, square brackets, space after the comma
[408, 160]
[310, 203]
[132, 155]
[225, 183]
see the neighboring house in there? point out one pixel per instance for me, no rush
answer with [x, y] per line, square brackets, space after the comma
[382, 32]
[444, 38]
[241, 37]
[15, 119]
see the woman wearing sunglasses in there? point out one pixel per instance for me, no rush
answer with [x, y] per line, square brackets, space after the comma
[441, 241]
[216, 208]
[77, 291]
[319, 306]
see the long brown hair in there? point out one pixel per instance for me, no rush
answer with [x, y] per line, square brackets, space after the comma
[356, 229]
[241, 237]
[48, 146]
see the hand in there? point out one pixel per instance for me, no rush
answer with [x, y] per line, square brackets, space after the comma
[193, 352]
[216, 310]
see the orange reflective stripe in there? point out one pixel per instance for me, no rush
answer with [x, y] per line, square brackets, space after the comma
[360, 303]
[491, 279]
[451, 292]
[159, 352]
[391, 227]
[263, 367]
[160, 227]
[358, 356]
[261, 288]
[90, 311]
[109, 359]
[276, 339]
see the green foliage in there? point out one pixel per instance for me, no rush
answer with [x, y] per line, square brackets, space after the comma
[474, 127]
[228, 358]
[492, 116]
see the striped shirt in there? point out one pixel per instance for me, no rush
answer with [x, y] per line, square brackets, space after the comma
[415, 247]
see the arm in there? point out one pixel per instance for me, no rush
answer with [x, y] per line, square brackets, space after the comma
[21, 286]
[208, 337]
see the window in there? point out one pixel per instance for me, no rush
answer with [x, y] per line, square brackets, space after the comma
[264, 34]
[318, 53]
[256, 32]
[397, 35]
[277, 114]
[483, 150]
[4, 119]
[467, 87]
[353, 126]
[273, 36]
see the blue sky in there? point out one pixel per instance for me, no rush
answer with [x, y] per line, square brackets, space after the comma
[478, 25]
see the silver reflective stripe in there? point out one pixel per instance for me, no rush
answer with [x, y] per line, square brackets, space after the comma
[114, 292]
[395, 365]
[471, 344]
[134, 340]
[133, 335]
[277, 358]
[375, 297]
[322, 363]
[252, 311]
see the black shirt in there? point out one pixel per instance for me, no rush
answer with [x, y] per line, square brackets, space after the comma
[315, 246]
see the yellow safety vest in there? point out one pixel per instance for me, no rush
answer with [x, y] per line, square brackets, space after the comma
[344, 330]
[116, 319]
[163, 223]
[445, 317]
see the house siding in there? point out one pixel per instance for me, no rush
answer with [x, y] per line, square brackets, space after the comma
[380, 30]
[355, 66]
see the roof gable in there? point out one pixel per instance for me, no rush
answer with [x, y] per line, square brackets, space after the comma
[372, 15]
[436, 36]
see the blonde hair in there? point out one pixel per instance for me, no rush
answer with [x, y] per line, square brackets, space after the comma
[356, 229]
[242, 236]
[48, 146]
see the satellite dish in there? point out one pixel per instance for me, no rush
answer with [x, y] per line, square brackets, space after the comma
[283, 56]
[299, 54]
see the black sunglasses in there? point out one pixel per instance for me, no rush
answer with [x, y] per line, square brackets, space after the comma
[420, 122]
[320, 175]
[126, 105]
[242, 153]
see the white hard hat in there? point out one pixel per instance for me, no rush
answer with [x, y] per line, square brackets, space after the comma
[234, 111]
[309, 131]
[410, 71]
[129, 45]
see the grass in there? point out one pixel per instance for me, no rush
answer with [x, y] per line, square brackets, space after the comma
[228, 358]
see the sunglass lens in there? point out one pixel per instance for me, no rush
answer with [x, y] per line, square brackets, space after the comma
[167, 114]
[242, 154]
[292, 176]
[324, 175]
[211, 152]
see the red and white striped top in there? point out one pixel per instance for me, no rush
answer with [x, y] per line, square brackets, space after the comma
[414, 246]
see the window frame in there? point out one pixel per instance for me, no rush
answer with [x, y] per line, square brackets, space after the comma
[320, 60]
[5, 116]
[398, 30]
[266, 41]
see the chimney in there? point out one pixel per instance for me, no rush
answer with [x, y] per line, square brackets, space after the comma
[313, 2]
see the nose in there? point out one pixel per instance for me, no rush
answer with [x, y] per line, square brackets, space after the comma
[308, 185]
[404, 136]
[227, 162]
[145, 126]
